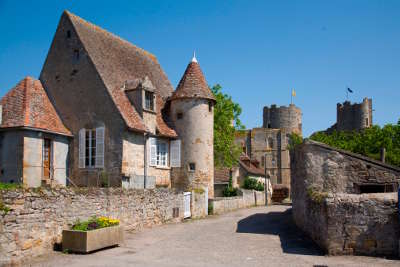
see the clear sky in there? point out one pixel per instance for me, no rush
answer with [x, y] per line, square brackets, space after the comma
[257, 50]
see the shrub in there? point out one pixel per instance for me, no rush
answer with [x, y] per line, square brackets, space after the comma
[210, 208]
[294, 140]
[94, 223]
[230, 191]
[251, 183]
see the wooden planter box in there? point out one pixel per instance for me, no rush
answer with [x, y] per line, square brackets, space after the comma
[84, 242]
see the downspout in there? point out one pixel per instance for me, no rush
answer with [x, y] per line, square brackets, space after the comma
[146, 138]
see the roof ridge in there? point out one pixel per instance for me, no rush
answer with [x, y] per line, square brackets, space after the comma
[72, 17]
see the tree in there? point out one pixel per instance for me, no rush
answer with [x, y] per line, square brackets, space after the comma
[226, 122]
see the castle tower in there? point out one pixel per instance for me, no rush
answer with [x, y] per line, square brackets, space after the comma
[355, 116]
[287, 118]
[192, 115]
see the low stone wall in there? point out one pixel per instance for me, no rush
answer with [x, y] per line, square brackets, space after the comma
[37, 217]
[248, 198]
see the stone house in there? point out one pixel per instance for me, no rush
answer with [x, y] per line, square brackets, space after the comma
[33, 139]
[244, 168]
[128, 126]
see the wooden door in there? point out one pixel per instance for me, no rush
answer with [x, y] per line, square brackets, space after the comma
[46, 158]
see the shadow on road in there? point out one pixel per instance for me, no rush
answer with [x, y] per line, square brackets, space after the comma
[293, 240]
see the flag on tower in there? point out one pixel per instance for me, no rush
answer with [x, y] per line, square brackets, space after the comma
[293, 92]
[349, 90]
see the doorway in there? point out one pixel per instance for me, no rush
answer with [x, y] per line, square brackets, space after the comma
[46, 159]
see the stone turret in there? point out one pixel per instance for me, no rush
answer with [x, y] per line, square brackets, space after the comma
[355, 116]
[287, 118]
[192, 115]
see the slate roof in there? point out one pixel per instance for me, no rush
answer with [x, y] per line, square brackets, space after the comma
[193, 84]
[117, 61]
[27, 105]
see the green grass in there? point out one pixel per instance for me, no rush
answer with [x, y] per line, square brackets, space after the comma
[9, 186]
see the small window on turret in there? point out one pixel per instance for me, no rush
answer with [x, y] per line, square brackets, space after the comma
[210, 106]
[68, 34]
[366, 122]
[76, 54]
[179, 115]
[192, 167]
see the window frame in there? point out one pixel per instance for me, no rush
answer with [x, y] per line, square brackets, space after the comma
[149, 100]
[162, 156]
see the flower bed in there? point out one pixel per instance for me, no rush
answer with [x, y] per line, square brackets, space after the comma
[94, 223]
[91, 235]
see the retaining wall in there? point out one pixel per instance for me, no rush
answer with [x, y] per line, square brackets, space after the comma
[37, 217]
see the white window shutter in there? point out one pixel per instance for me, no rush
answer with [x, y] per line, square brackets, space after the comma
[175, 153]
[99, 147]
[153, 151]
[82, 135]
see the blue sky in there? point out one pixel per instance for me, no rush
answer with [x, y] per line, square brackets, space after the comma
[257, 50]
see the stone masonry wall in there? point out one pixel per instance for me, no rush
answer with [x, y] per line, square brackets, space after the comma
[37, 217]
[327, 205]
[249, 198]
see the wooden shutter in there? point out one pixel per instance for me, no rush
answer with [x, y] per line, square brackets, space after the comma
[153, 151]
[175, 153]
[99, 147]
[82, 135]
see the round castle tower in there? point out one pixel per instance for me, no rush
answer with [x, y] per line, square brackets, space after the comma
[288, 118]
[192, 115]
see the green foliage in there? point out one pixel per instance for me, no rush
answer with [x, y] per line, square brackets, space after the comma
[367, 142]
[226, 152]
[230, 191]
[251, 183]
[9, 186]
[210, 208]
[315, 195]
[294, 140]
[94, 223]
[4, 209]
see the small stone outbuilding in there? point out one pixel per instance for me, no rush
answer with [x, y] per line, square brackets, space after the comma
[34, 142]
[346, 202]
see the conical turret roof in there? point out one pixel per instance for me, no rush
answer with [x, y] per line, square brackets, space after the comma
[193, 84]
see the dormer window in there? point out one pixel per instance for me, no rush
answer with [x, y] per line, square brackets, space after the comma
[149, 100]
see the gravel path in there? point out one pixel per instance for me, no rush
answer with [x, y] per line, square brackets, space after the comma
[250, 237]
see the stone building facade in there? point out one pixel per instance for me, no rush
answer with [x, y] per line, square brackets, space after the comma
[126, 124]
[269, 144]
[346, 202]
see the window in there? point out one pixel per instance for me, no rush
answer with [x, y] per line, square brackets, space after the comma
[91, 148]
[158, 152]
[262, 161]
[68, 34]
[270, 142]
[366, 122]
[192, 167]
[162, 153]
[149, 100]
[210, 106]
[76, 54]
[179, 115]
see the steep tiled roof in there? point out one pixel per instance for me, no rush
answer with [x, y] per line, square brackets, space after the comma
[247, 164]
[193, 84]
[118, 61]
[27, 105]
[221, 175]
[162, 127]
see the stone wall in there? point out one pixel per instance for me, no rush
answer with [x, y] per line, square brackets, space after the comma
[327, 203]
[37, 217]
[248, 198]
[288, 118]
